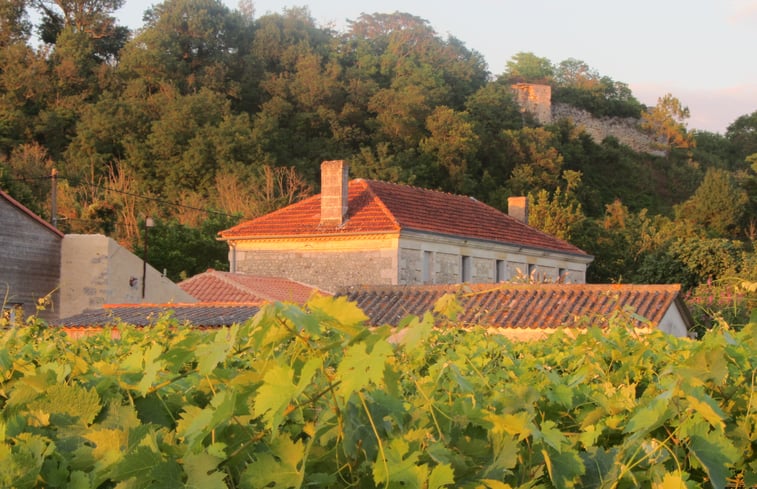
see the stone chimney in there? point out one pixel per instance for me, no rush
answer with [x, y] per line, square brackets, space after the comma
[334, 183]
[517, 207]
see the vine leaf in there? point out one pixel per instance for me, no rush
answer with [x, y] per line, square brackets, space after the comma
[564, 468]
[716, 454]
[359, 368]
[282, 466]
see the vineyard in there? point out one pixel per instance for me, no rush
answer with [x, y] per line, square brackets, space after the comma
[310, 397]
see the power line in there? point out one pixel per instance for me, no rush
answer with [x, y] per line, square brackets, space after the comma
[139, 196]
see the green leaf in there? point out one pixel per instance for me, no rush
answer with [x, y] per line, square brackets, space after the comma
[649, 417]
[397, 467]
[275, 395]
[358, 368]
[552, 436]
[448, 306]
[671, 480]
[518, 424]
[707, 407]
[564, 468]
[441, 476]
[716, 454]
[349, 318]
[211, 354]
[283, 466]
[201, 471]
[72, 401]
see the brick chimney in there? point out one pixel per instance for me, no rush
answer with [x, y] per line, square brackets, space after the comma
[334, 183]
[517, 207]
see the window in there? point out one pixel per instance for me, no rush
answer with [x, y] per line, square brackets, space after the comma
[428, 267]
[499, 271]
[465, 269]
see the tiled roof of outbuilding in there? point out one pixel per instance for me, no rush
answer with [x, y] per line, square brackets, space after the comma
[521, 305]
[379, 207]
[216, 286]
[198, 314]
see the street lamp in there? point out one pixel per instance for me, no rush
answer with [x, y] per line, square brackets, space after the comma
[149, 223]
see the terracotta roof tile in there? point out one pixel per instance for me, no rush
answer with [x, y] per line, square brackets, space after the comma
[380, 207]
[520, 306]
[214, 286]
[197, 314]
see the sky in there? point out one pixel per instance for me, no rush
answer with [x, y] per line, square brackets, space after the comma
[703, 52]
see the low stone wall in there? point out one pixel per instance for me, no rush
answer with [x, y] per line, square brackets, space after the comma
[624, 129]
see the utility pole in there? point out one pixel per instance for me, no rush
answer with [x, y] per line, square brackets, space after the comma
[54, 198]
[148, 224]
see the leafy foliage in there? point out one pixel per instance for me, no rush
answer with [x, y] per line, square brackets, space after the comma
[311, 397]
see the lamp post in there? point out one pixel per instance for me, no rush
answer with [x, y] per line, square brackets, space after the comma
[148, 224]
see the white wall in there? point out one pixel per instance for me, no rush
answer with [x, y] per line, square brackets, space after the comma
[95, 270]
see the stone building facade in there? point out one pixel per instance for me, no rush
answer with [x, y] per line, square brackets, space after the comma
[29, 261]
[368, 232]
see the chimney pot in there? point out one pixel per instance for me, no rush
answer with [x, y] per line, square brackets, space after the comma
[334, 185]
[517, 207]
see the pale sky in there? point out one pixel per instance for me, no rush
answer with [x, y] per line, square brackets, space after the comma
[704, 52]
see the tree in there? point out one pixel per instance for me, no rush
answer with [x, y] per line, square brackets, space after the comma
[536, 163]
[14, 22]
[742, 133]
[666, 122]
[717, 206]
[558, 214]
[452, 144]
[527, 67]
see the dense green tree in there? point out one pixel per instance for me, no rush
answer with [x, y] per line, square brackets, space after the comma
[14, 22]
[742, 133]
[452, 146]
[190, 44]
[718, 205]
[558, 213]
[527, 67]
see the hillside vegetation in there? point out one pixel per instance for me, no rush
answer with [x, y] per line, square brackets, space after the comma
[312, 398]
[206, 116]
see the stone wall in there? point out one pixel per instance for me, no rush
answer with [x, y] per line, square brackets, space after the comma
[95, 270]
[537, 100]
[327, 270]
[624, 129]
[30, 260]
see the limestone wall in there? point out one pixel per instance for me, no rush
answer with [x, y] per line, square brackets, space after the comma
[625, 129]
[95, 270]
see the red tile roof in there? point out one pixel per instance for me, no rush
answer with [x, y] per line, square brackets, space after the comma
[378, 207]
[535, 306]
[215, 286]
[197, 314]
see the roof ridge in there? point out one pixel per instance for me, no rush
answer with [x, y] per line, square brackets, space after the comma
[381, 203]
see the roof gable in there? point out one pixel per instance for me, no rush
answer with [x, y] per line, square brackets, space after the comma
[378, 208]
[21, 207]
[535, 306]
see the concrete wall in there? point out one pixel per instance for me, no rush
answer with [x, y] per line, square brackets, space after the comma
[327, 263]
[95, 270]
[29, 260]
[427, 258]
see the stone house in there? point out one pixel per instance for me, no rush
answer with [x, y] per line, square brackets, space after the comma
[371, 232]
